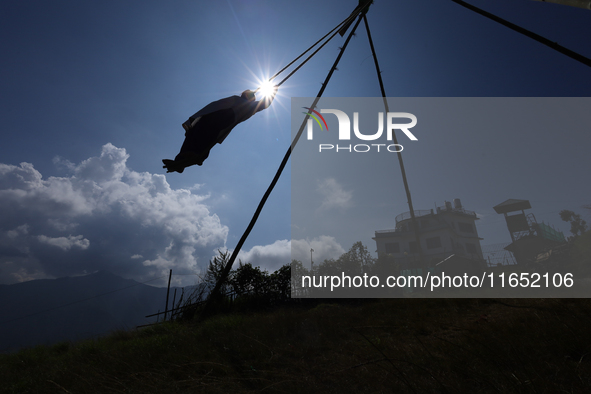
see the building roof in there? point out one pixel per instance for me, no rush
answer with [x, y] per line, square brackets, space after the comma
[512, 205]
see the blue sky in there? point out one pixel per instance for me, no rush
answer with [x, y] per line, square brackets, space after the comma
[94, 94]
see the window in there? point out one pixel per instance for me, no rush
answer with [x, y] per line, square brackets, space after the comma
[433, 243]
[471, 248]
[393, 247]
[465, 227]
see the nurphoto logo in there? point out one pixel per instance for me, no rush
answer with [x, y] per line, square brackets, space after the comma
[345, 130]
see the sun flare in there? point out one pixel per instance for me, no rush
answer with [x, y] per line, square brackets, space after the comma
[266, 89]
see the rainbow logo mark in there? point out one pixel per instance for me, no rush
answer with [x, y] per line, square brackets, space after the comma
[315, 117]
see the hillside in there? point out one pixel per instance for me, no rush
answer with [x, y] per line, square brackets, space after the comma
[377, 346]
[47, 311]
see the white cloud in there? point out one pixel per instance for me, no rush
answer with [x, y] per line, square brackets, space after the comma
[65, 243]
[121, 213]
[268, 257]
[281, 252]
[334, 196]
[325, 248]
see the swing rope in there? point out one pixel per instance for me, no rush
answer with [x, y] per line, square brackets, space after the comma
[334, 32]
[228, 266]
[350, 17]
[557, 47]
[308, 58]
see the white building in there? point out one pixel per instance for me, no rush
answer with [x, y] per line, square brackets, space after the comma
[448, 230]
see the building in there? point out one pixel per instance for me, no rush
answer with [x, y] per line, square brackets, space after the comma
[447, 231]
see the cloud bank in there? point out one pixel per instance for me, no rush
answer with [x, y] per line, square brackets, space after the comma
[274, 256]
[267, 257]
[324, 246]
[102, 215]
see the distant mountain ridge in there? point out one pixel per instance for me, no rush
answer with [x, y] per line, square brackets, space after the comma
[47, 311]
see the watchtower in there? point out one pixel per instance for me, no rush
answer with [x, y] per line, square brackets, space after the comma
[517, 223]
[529, 237]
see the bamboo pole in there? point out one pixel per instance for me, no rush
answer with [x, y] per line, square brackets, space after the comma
[167, 294]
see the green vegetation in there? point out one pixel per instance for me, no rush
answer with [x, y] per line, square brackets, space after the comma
[577, 225]
[397, 345]
[246, 287]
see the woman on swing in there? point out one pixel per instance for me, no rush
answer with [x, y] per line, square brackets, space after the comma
[212, 124]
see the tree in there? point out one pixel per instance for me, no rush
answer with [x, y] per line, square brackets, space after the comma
[577, 225]
[331, 267]
[356, 261]
[385, 266]
[360, 255]
[280, 282]
[214, 271]
[206, 283]
[297, 270]
[249, 280]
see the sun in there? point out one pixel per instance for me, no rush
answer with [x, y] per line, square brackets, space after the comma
[266, 89]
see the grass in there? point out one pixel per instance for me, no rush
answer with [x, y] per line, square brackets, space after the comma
[372, 346]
